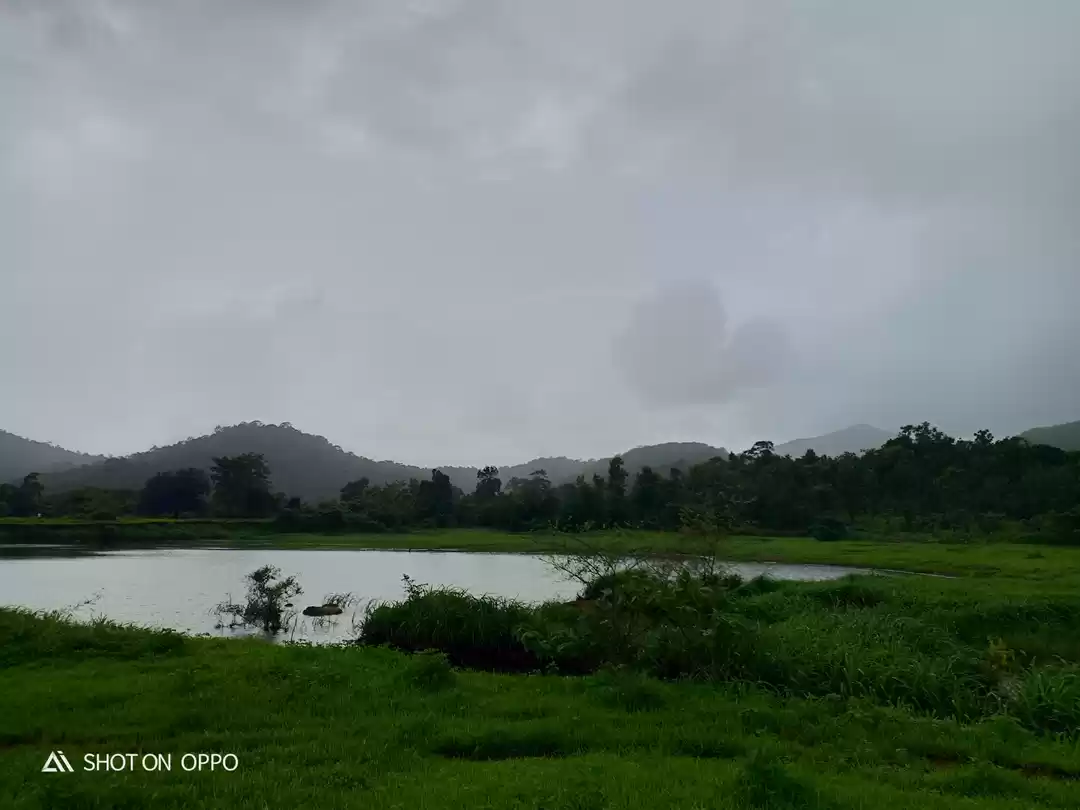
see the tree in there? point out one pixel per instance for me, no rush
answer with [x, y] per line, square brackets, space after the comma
[488, 483]
[646, 496]
[242, 486]
[7, 499]
[28, 498]
[616, 490]
[175, 493]
[354, 490]
[537, 505]
[760, 450]
[435, 498]
[269, 601]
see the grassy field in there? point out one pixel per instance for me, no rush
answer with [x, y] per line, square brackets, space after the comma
[371, 728]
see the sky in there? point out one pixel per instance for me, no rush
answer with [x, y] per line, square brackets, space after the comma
[482, 231]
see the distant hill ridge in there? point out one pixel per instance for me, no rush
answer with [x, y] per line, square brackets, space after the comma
[19, 456]
[1066, 436]
[855, 439]
[311, 467]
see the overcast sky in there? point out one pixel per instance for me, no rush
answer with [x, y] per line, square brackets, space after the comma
[479, 231]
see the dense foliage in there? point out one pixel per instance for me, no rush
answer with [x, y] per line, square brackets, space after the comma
[921, 480]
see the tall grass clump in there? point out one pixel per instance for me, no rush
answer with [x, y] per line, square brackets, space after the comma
[473, 631]
[1049, 700]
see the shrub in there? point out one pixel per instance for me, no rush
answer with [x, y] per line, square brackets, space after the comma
[268, 605]
[628, 690]
[828, 529]
[431, 670]
[852, 591]
[474, 631]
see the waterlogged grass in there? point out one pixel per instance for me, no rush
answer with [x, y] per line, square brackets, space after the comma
[371, 728]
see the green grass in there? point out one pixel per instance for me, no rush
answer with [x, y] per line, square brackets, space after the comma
[1054, 567]
[931, 645]
[371, 728]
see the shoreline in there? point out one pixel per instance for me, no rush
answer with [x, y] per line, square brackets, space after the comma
[1054, 565]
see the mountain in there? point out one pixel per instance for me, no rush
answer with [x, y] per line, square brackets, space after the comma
[19, 456]
[854, 439]
[301, 464]
[312, 468]
[1066, 436]
[661, 457]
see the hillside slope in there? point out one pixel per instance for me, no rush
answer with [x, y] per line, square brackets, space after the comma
[301, 464]
[854, 439]
[312, 468]
[1066, 436]
[19, 456]
[661, 457]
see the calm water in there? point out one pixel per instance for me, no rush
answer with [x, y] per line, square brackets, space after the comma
[178, 588]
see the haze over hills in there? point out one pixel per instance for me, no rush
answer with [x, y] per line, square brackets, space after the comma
[311, 467]
[661, 457]
[854, 439]
[19, 456]
[1066, 436]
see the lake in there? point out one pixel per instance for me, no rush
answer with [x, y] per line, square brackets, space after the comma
[178, 588]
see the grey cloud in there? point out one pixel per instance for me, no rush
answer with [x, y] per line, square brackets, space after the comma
[381, 221]
[679, 349]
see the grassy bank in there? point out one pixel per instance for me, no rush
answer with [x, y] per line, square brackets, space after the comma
[128, 530]
[1043, 563]
[1054, 566]
[371, 728]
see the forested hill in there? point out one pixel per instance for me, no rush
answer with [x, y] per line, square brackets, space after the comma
[18, 456]
[312, 468]
[303, 465]
[1066, 437]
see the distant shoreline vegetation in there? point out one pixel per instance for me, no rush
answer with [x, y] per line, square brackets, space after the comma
[922, 482]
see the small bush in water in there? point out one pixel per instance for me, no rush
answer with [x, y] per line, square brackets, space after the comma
[268, 605]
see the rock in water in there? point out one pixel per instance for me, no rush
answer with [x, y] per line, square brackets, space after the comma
[322, 610]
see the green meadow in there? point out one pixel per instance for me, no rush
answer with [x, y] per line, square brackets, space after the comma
[692, 691]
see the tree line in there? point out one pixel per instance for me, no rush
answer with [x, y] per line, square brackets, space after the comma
[921, 480]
